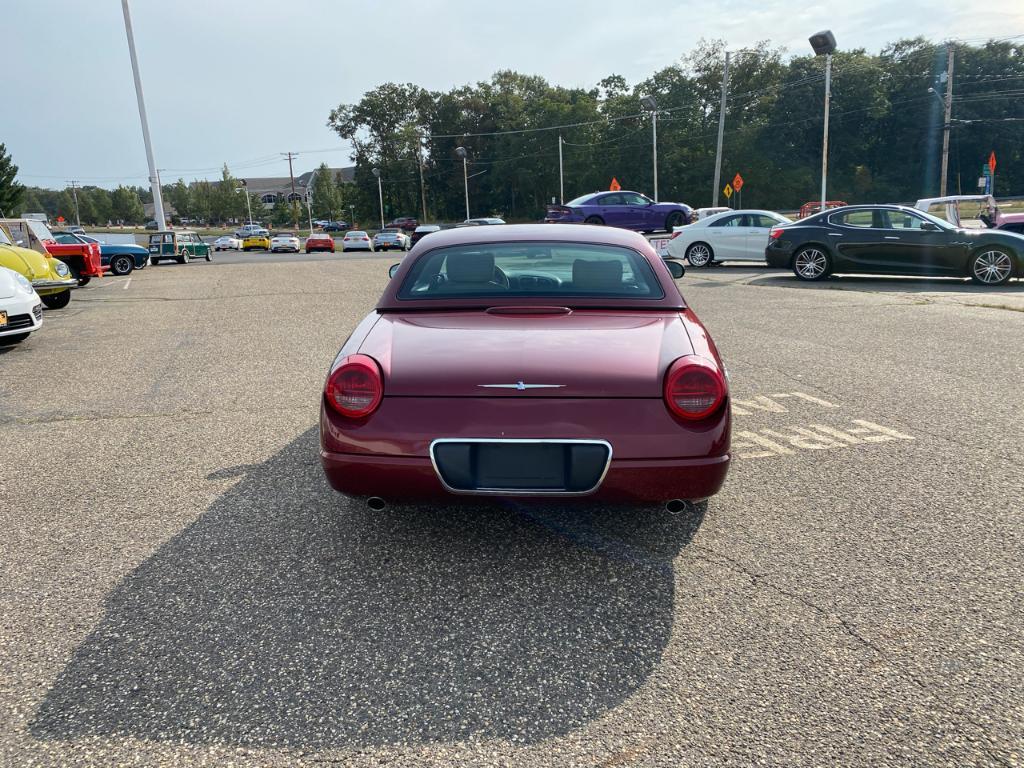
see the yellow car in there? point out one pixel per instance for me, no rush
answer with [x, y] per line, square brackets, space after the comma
[256, 241]
[50, 277]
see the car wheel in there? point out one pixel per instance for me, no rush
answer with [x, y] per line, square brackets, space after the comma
[992, 266]
[812, 263]
[674, 219]
[154, 260]
[143, 264]
[595, 220]
[208, 256]
[14, 338]
[700, 255]
[122, 265]
[183, 257]
[83, 281]
[56, 300]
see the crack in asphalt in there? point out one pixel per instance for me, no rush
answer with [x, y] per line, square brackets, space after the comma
[759, 579]
[84, 418]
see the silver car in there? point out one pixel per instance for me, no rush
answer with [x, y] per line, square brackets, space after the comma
[391, 238]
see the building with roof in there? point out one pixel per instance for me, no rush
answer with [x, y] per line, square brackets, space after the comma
[270, 189]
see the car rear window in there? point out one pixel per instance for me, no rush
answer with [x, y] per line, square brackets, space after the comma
[531, 270]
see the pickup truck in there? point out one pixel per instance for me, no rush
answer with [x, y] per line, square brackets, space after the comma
[83, 259]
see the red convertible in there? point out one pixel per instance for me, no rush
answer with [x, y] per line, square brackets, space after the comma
[528, 361]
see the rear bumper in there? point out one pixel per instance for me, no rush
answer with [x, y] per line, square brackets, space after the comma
[779, 254]
[628, 481]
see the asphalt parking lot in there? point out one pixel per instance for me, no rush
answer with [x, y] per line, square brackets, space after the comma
[181, 587]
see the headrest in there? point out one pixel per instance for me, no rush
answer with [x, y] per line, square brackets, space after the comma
[470, 267]
[603, 275]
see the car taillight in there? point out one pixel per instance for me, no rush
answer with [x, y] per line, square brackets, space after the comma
[694, 388]
[366, 238]
[674, 235]
[775, 233]
[355, 388]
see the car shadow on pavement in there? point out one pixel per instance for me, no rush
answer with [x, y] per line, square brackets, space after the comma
[287, 615]
[882, 284]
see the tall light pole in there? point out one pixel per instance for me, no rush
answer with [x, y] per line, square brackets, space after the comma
[651, 105]
[154, 180]
[461, 152]
[721, 131]
[824, 44]
[380, 196]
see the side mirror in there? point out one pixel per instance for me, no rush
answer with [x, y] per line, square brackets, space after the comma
[676, 268]
[927, 226]
[393, 270]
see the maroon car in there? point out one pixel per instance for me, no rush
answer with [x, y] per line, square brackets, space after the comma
[528, 361]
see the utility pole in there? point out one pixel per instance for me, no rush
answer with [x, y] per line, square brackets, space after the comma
[74, 194]
[948, 115]
[154, 182]
[561, 177]
[423, 188]
[721, 132]
[291, 175]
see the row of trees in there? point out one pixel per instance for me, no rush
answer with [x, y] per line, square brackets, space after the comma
[209, 202]
[95, 204]
[886, 131]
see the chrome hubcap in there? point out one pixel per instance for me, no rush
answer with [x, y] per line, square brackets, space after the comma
[699, 255]
[811, 263]
[992, 267]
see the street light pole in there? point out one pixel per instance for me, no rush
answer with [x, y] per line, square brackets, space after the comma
[824, 44]
[154, 182]
[380, 195]
[824, 139]
[461, 152]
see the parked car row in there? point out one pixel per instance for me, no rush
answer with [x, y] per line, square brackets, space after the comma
[873, 239]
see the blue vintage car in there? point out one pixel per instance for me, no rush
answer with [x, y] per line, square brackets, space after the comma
[621, 208]
[115, 258]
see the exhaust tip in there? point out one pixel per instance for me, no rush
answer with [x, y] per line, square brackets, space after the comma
[677, 506]
[376, 503]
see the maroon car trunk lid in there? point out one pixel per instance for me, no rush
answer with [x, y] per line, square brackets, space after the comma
[475, 354]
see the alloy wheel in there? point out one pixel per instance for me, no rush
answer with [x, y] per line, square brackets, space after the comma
[699, 255]
[810, 263]
[992, 267]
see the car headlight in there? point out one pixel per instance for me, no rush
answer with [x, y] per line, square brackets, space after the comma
[62, 269]
[24, 283]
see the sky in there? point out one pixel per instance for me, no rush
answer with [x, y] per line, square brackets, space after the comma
[242, 81]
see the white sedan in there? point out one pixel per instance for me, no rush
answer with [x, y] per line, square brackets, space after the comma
[728, 236]
[284, 241]
[227, 243]
[21, 311]
[356, 240]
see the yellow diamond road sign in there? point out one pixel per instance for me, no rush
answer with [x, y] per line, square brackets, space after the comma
[727, 191]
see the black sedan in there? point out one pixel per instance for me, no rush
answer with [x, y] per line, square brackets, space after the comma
[894, 240]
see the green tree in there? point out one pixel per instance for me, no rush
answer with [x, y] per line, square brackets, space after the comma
[30, 203]
[126, 205]
[10, 190]
[281, 213]
[326, 196]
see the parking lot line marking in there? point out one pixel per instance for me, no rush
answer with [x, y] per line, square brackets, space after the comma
[127, 283]
[809, 399]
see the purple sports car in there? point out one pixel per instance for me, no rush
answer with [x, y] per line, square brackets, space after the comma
[629, 210]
